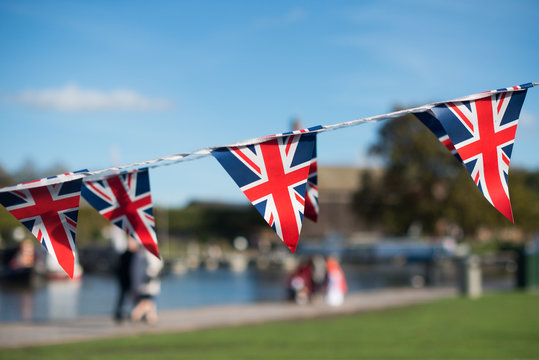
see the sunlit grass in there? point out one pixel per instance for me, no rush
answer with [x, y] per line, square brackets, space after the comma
[501, 326]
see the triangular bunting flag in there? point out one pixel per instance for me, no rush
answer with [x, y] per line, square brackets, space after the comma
[126, 201]
[311, 195]
[483, 132]
[273, 176]
[50, 212]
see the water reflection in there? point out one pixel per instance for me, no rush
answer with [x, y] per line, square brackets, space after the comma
[96, 294]
[62, 299]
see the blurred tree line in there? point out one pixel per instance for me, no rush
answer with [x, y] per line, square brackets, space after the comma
[424, 186]
[210, 221]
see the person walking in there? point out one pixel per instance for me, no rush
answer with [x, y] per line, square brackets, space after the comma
[124, 275]
[146, 269]
[336, 286]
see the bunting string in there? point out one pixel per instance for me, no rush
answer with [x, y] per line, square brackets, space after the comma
[205, 152]
[277, 173]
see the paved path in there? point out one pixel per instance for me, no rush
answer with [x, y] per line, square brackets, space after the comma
[27, 334]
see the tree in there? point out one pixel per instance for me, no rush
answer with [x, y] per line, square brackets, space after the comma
[416, 181]
[423, 184]
[205, 221]
[5, 178]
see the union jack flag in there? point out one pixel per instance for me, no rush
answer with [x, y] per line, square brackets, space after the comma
[126, 201]
[273, 175]
[50, 212]
[483, 132]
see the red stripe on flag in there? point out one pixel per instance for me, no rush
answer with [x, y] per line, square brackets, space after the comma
[505, 158]
[448, 144]
[71, 222]
[129, 208]
[288, 144]
[461, 115]
[300, 200]
[246, 159]
[90, 184]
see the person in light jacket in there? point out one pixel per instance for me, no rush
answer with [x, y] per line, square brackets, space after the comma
[336, 286]
[146, 269]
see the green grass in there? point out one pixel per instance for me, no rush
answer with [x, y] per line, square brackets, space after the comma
[500, 326]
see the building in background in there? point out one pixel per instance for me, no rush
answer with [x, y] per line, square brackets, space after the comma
[337, 218]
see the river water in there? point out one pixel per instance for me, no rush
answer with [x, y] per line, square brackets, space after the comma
[96, 294]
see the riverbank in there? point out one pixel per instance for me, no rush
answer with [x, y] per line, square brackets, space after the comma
[13, 335]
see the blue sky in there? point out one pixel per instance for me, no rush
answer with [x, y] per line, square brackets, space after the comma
[88, 84]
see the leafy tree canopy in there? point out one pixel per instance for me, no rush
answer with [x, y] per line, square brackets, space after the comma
[423, 184]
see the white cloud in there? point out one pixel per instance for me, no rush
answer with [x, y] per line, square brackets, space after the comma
[527, 119]
[527, 126]
[74, 98]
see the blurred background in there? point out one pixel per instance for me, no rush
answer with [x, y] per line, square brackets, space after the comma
[96, 84]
